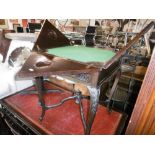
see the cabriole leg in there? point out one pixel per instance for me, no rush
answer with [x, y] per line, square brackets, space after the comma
[94, 98]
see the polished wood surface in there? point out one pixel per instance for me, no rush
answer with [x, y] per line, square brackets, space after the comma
[143, 116]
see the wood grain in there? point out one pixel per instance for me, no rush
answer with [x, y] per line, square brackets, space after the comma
[142, 120]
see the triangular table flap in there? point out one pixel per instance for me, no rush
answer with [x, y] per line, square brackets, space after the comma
[43, 64]
[50, 37]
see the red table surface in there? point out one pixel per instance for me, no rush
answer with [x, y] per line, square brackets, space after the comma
[63, 120]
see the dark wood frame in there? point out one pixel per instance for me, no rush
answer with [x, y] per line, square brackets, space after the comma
[5, 25]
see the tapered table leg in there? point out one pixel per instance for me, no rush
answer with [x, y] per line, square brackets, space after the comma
[40, 90]
[94, 98]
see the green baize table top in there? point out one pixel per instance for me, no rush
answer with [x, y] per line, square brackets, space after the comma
[82, 53]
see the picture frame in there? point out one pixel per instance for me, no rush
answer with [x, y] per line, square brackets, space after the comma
[3, 24]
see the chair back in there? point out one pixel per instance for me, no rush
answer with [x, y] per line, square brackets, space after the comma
[90, 35]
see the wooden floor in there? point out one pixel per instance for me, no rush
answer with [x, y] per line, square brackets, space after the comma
[63, 120]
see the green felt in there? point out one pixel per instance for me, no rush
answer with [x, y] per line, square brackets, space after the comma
[82, 53]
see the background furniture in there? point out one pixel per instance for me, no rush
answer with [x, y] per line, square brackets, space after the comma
[34, 26]
[90, 36]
